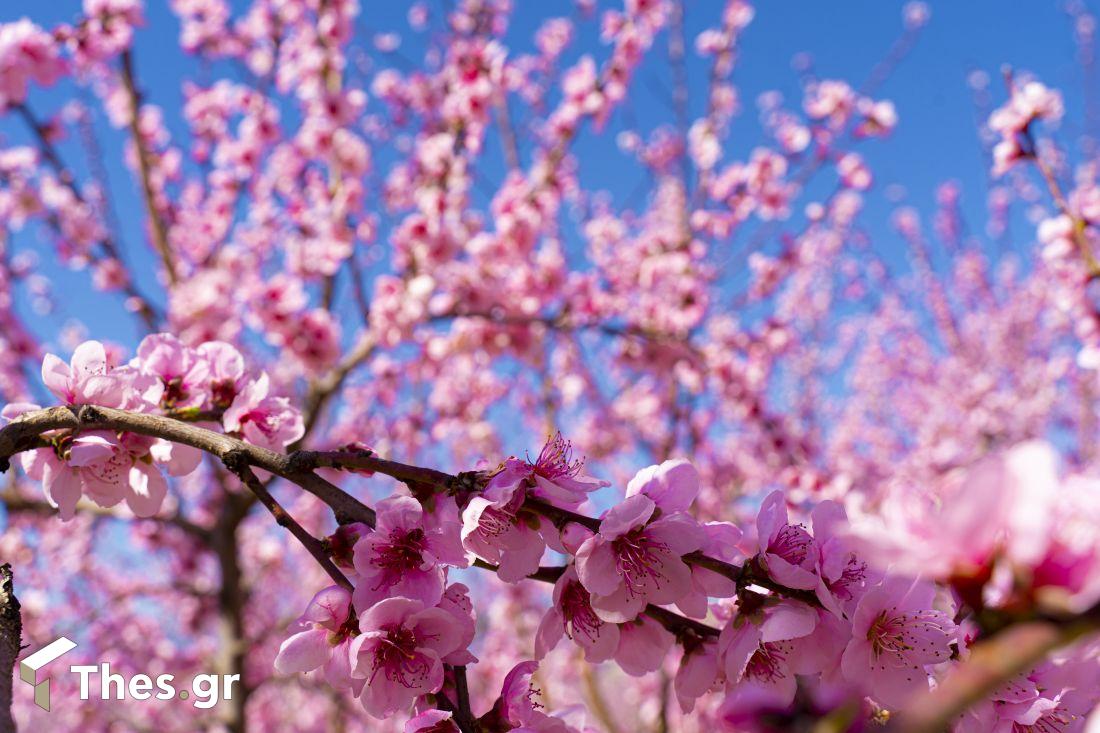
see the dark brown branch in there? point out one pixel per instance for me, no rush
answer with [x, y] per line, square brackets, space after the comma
[23, 434]
[445, 482]
[283, 518]
[11, 640]
[464, 716]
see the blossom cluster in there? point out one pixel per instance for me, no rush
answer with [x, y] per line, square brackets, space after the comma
[165, 377]
[811, 610]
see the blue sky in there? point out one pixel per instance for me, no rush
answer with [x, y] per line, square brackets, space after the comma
[936, 140]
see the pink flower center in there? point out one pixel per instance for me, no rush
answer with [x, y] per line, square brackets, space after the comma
[888, 635]
[638, 560]
[174, 392]
[767, 664]
[396, 656]
[112, 471]
[853, 575]
[556, 460]
[908, 637]
[792, 543]
[267, 423]
[494, 522]
[576, 610]
[222, 393]
[404, 551]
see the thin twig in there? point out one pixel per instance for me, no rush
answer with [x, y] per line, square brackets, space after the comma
[145, 166]
[283, 518]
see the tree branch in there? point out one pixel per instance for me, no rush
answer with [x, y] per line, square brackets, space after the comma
[156, 221]
[111, 250]
[25, 434]
[284, 519]
[11, 637]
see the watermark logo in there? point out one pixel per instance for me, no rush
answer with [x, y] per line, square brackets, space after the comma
[31, 668]
[204, 692]
[206, 689]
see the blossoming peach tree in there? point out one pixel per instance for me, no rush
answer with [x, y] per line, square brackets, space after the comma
[381, 319]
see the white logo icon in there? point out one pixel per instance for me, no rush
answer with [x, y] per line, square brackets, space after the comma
[30, 669]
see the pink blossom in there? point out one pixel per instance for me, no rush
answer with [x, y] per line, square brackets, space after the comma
[879, 118]
[760, 653]
[27, 53]
[643, 646]
[432, 721]
[107, 468]
[516, 709]
[720, 540]
[842, 575]
[182, 371]
[698, 673]
[787, 551]
[632, 562]
[896, 636]
[323, 638]
[830, 100]
[406, 555]
[86, 380]
[1011, 510]
[456, 601]
[672, 485]
[554, 476]
[495, 531]
[399, 651]
[263, 419]
[226, 371]
[571, 614]
[1029, 101]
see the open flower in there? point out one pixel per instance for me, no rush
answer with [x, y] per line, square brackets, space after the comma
[86, 379]
[842, 575]
[405, 555]
[758, 651]
[572, 614]
[399, 653]
[896, 636]
[787, 551]
[495, 531]
[106, 467]
[181, 370]
[323, 639]
[632, 562]
[555, 476]
[262, 419]
[225, 366]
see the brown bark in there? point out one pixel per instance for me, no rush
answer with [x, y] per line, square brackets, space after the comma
[11, 635]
